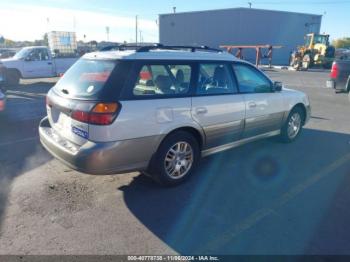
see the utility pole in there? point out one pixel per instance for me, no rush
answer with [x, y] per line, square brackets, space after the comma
[140, 36]
[250, 4]
[136, 30]
[174, 9]
[74, 24]
[47, 24]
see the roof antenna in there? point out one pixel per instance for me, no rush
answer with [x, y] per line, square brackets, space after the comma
[250, 4]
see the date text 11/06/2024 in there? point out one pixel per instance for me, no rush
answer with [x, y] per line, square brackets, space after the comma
[173, 258]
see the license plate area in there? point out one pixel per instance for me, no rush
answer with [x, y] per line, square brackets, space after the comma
[73, 130]
[64, 122]
[62, 142]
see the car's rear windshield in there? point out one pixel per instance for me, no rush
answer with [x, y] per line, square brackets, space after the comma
[87, 79]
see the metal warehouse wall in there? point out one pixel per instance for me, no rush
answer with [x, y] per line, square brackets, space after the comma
[239, 26]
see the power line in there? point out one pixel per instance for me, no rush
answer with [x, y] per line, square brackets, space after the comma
[303, 2]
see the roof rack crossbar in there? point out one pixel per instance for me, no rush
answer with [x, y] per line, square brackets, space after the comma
[121, 47]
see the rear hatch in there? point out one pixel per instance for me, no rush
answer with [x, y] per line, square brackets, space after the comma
[86, 95]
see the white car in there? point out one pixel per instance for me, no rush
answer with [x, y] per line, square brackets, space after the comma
[158, 109]
[32, 62]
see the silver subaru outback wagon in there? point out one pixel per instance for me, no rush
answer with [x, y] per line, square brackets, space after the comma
[158, 109]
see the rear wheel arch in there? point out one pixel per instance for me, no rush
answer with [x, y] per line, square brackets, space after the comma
[16, 71]
[200, 138]
[13, 76]
[156, 168]
[191, 130]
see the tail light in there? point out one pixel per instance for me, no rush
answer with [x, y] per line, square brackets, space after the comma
[101, 114]
[334, 71]
[2, 105]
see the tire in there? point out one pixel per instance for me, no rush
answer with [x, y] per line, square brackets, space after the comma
[327, 65]
[161, 166]
[306, 64]
[298, 116]
[291, 60]
[13, 77]
[347, 87]
[294, 62]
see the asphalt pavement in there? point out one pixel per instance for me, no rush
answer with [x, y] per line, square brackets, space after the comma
[261, 198]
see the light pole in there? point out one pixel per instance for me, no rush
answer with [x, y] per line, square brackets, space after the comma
[107, 32]
[136, 30]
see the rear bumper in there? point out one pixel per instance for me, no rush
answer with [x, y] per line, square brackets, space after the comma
[99, 158]
[337, 85]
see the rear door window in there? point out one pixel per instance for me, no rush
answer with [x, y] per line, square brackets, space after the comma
[215, 78]
[163, 80]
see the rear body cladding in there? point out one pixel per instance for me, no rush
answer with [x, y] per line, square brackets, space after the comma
[263, 124]
[228, 146]
[100, 158]
[222, 122]
[223, 133]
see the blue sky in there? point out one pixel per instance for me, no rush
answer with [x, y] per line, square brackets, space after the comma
[28, 19]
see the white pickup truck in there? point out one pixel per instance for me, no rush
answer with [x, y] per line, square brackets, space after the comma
[32, 62]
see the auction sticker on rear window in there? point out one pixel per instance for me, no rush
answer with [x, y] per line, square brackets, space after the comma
[80, 132]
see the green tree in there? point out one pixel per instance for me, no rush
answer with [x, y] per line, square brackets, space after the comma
[9, 43]
[341, 42]
[46, 39]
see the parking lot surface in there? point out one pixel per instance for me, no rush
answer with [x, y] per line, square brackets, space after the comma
[261, 198]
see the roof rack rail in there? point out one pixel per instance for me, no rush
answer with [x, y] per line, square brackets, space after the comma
[147, 48]
[177, 47]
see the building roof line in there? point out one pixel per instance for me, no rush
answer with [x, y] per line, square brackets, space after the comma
[237, 8]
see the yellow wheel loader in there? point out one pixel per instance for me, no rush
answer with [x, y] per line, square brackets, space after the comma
[316, 51]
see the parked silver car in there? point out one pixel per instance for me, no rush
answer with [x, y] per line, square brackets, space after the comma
[158, 109]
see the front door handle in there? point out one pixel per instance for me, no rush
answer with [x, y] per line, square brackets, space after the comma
[201, 110]
[251, 104]
[49, 63]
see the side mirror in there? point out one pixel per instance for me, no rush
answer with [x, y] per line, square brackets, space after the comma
[27, 58]
[277, 86]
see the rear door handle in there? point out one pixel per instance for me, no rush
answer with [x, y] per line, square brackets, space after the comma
[201, 110]
[251, 104]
